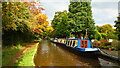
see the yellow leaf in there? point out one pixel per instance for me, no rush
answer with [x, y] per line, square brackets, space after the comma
[44, 17]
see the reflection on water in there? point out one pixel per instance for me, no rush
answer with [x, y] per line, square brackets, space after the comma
[48, 54]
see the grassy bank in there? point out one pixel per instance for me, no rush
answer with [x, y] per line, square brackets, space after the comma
[9, 52]
[27, 57]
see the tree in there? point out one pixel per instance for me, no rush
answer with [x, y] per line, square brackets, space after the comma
[22, 21]
[108, 30]
[81, 14]
[117, 25]
[61, 24]
[14, 18]
[1, 23]
[97, 35]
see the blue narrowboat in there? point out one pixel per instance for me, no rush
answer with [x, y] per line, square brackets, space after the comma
[83, 45]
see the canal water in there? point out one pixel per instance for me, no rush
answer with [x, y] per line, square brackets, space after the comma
[49, 54]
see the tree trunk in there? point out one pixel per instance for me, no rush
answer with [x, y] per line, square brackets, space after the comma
[79, 36]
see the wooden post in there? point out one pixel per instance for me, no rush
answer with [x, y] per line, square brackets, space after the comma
[86, 34]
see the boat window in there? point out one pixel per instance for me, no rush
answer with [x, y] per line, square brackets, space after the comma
[73, 43]
[68, 43]
[64, 41]
[84, 43]
[61, 40]
[76, 43]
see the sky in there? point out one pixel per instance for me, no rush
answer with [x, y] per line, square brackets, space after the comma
[104, 11]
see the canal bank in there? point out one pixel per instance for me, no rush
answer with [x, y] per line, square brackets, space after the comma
[112, 53]
[50, 54]
[24, 57]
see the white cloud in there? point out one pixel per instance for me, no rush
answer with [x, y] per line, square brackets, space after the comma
[60, 1]
[105, 0]
[104, 12]
[76, 0]
[108, 12]
[52, 7]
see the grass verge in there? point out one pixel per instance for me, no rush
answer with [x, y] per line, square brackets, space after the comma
[9, 52]
[27, 57]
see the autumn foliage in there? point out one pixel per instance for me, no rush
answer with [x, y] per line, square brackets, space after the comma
[25, 18]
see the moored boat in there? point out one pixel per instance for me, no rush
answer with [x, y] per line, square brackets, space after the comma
[81, 46]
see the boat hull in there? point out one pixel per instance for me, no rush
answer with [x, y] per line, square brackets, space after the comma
[90, 54]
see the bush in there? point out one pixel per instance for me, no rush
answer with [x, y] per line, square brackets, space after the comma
[115, 43]
[102, 47]
[107, 43]
[116, 48]
[98, 36]
[16, 37]
[104, 35]
[96, 43]
[105, 47]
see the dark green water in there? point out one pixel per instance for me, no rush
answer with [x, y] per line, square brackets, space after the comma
[48, 54]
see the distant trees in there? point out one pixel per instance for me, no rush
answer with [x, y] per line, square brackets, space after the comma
[106, 32]
[107, 28]
[117, 25]
[109, 31]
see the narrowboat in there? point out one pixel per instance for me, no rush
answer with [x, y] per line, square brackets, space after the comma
[81, 45]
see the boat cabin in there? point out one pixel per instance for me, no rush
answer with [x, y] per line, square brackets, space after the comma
[79, 43]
